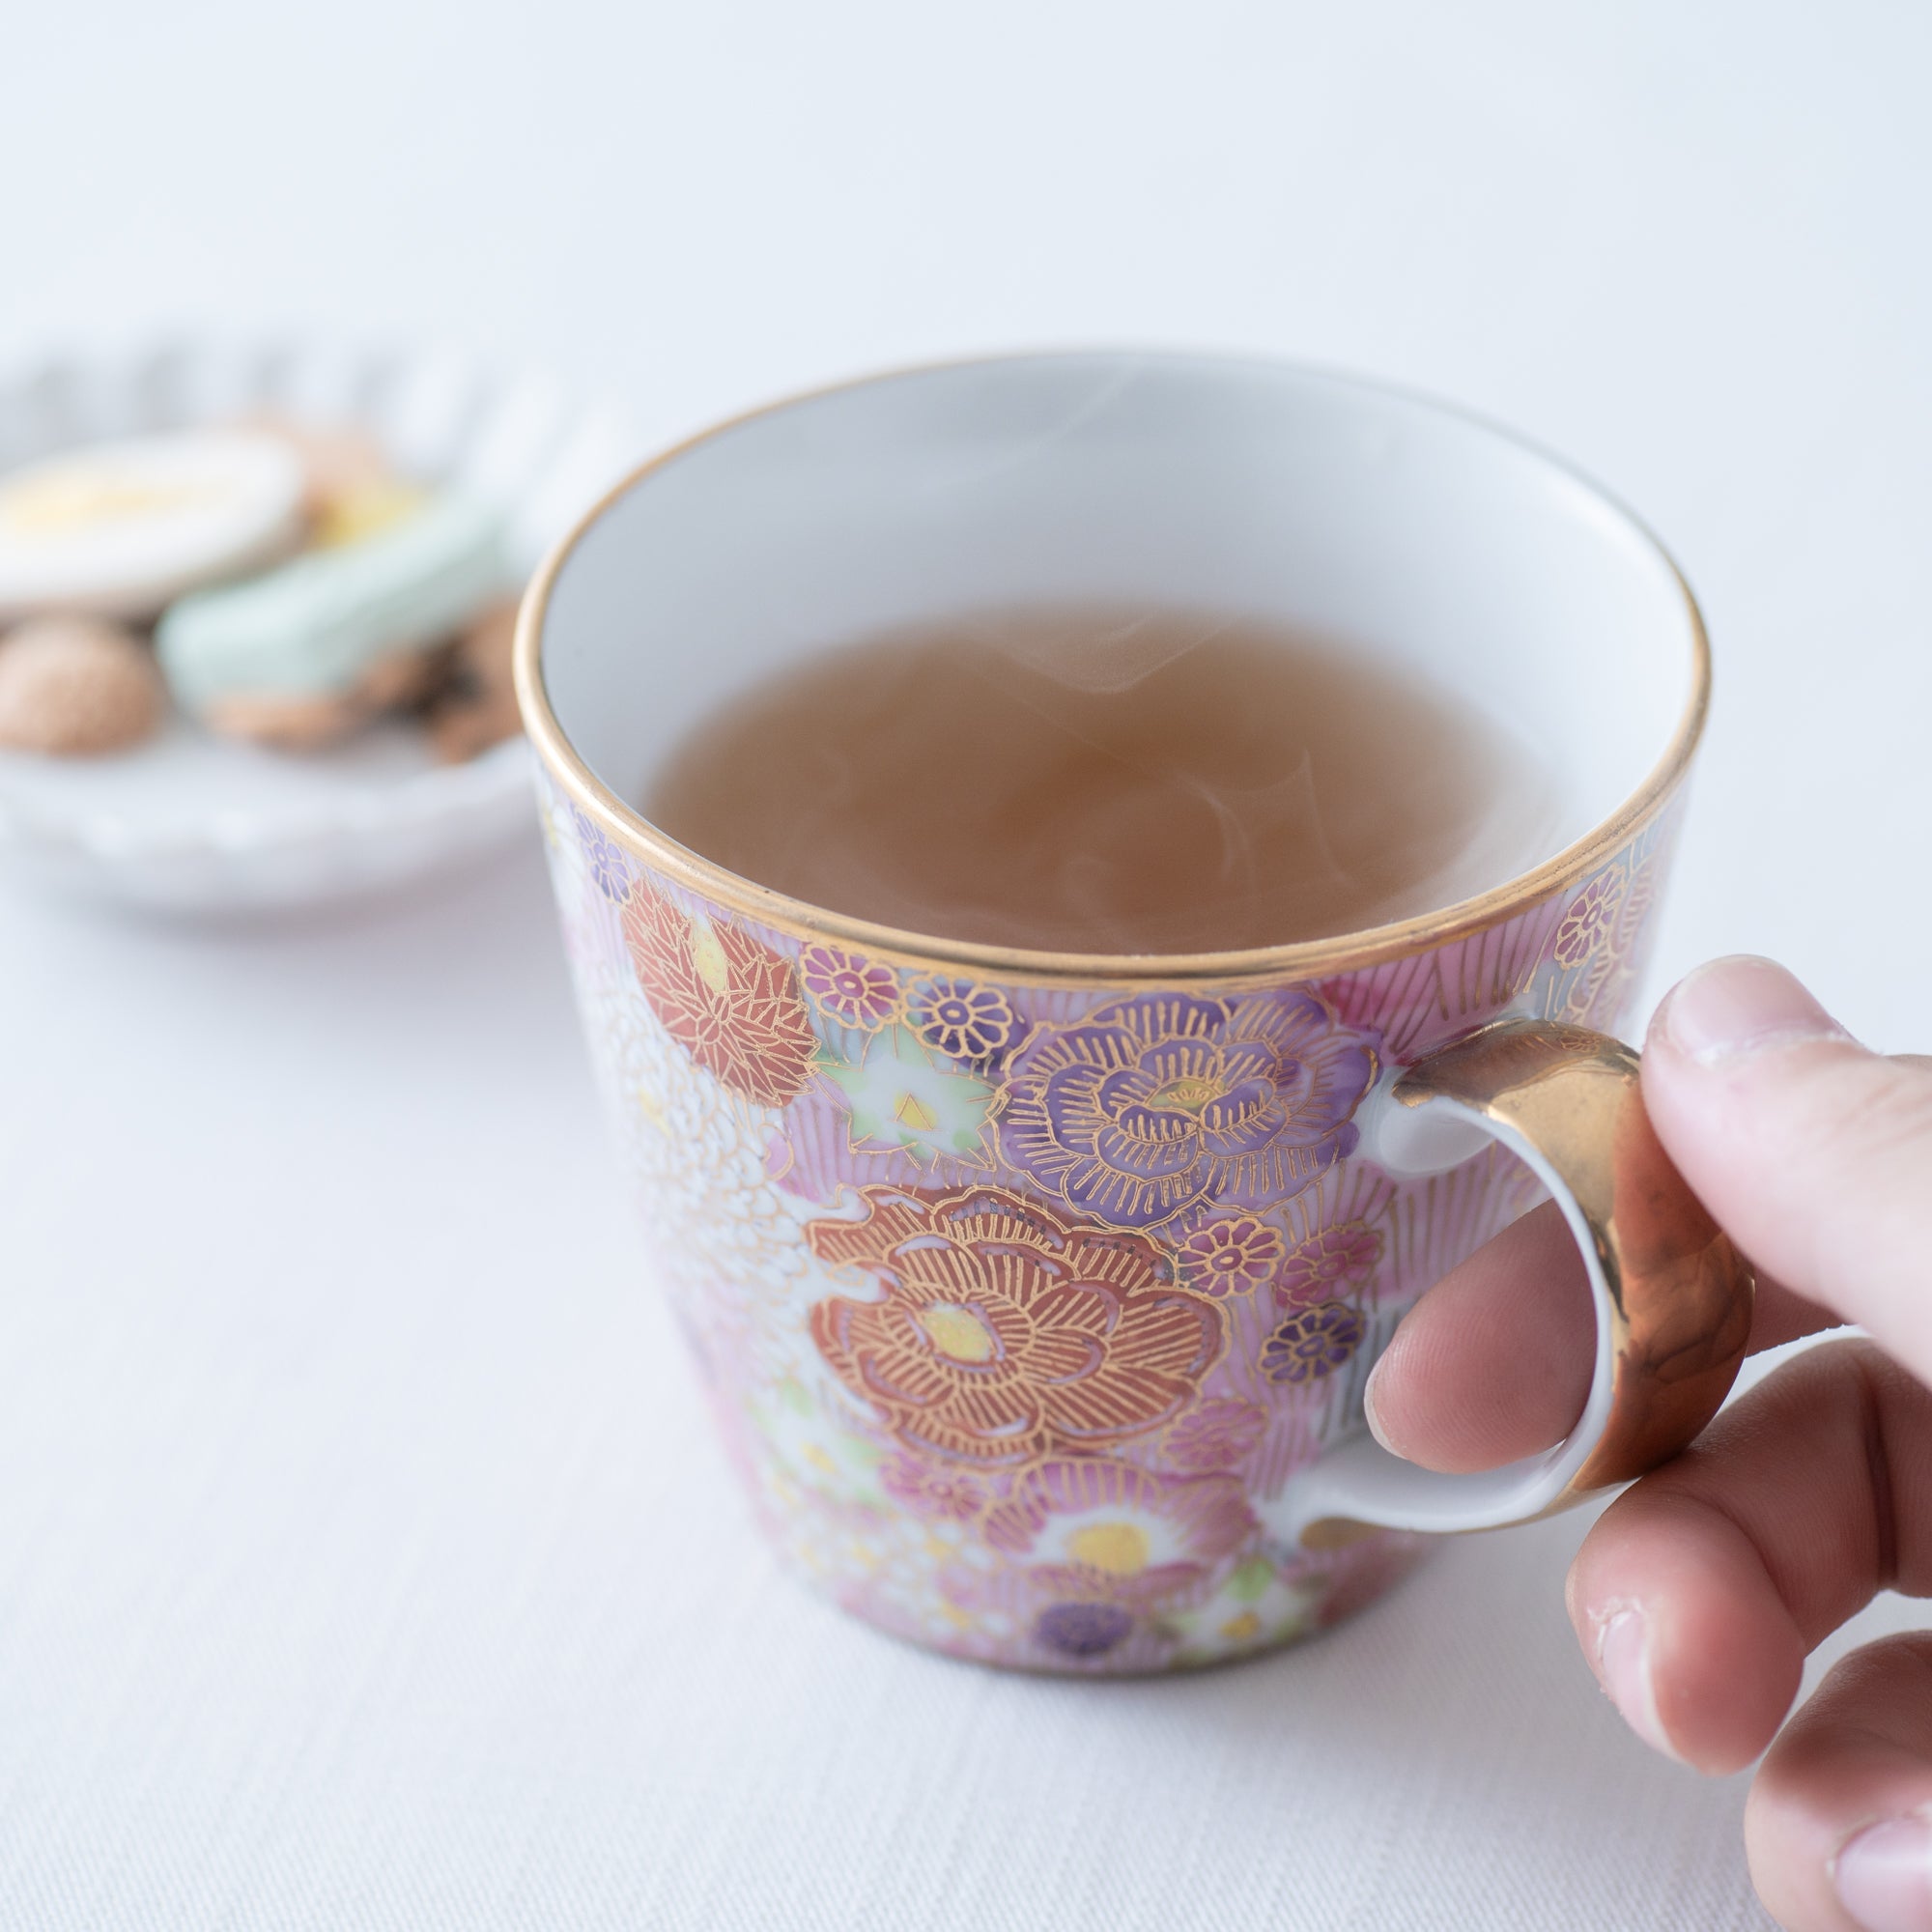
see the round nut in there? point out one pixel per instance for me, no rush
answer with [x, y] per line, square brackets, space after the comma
[76, 685]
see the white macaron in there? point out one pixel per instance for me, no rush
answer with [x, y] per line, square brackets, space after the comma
[120, 529]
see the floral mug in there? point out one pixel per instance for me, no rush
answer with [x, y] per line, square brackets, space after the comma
[1035, 1293]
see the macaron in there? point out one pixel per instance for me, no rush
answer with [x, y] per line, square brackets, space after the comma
[304, 652]
[120, 529]
[77, 686]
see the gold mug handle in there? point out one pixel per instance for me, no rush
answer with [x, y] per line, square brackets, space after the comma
[1673, 1297]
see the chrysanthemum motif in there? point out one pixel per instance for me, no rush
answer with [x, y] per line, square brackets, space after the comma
[960, 1017]
[732, 1003]
[1002, 1333]
[1313, 1343]
[851, 989]
[696, 1154]
[1152, 1109]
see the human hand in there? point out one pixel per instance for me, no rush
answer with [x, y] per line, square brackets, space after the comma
[1699, 1592]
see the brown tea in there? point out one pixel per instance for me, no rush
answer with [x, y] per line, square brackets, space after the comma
[1094, 779]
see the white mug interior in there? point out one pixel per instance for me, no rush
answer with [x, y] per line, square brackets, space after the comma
[1433, 541]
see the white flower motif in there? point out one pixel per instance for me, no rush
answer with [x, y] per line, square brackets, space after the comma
[696, 1154]
[1255, 1606]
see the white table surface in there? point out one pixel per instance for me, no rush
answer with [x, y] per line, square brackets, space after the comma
[363, 1560]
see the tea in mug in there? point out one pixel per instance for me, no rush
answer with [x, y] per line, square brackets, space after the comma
[1093, 779]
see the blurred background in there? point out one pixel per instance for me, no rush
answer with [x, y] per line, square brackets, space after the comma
[364, 1560]
[1678, 244]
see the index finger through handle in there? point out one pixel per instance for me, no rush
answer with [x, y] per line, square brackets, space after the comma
[1672, 1295]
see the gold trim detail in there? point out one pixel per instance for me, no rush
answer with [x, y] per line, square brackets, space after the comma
[1282, 964]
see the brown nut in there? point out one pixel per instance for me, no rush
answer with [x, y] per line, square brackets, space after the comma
[77, 686]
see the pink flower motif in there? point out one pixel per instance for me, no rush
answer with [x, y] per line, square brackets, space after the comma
[1230, 1257]
[1592, 914]
[1213, 1435]
[952, 1493]
[851, 987]
[1330, 1263]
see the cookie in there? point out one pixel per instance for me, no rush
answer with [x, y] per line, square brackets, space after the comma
[474, 704]
[306, 651]
[118, 529]
[77, 686]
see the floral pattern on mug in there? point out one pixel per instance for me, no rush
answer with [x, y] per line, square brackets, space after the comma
[1330, 1261]
[730, 1002]
[1093, 1530]
[1002, 1333]
[858, 991]
[1232, 1256]
[898, 1095]
[610, 870]
[1313, 1343]
[1592, 914]
[1213, 1435]
[1018, 1303]
[961, 1018]
[1156, 1107]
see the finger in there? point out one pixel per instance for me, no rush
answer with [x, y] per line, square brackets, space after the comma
[1494, 1362]
[1813, 1154]
[1699, 1592]
[1838, 1826]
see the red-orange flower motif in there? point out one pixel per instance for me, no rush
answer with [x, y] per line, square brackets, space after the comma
[1330, 1263]
[732, 1003]
[1004, 1333]
[1591, 915]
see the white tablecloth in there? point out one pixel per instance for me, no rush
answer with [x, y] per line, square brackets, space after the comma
[364, 1562]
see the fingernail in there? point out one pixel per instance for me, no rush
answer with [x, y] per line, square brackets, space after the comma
[1623, 1662]
[1370, 1413]
[1736, 1005]
[1884, 1876]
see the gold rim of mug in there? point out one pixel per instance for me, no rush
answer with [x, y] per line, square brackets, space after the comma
[1304, 960]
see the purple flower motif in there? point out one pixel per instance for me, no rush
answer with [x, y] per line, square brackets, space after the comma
[1083, 1630]
[1153, 1108]
[606, 859]
[961, 1018]
[1313, 1343]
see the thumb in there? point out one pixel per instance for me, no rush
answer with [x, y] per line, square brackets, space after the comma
[1813, 1154]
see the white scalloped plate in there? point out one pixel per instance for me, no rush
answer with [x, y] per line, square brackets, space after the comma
[191, 823]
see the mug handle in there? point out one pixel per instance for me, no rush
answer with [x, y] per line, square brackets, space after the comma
[1673, 1297]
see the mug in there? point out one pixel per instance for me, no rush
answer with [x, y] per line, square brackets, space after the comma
[1035, 1293]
